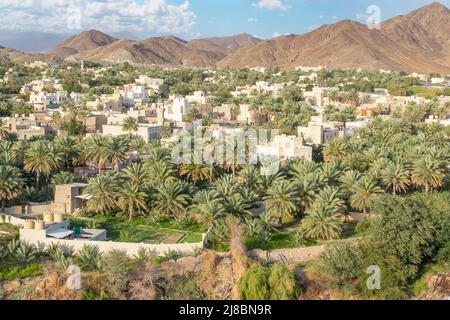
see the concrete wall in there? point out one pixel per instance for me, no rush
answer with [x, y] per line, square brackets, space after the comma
[34, 208]
[40, 241]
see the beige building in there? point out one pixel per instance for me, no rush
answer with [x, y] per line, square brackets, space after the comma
[320, 132]
[147, 132]
[285, 147]
[69, 198]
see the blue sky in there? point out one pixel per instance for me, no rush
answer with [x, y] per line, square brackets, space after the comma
[36, 25]
[225, 17]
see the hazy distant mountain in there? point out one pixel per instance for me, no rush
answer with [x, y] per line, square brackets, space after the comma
[419, 41]
[11, 55]
[410, 43]
[32, 42]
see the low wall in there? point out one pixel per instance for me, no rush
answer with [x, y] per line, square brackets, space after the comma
[31, 209]
[14, 220]
[295, 255]
[40, 241]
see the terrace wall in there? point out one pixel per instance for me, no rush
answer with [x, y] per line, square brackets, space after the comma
[39, 239]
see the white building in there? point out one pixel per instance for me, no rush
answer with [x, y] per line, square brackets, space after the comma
[198, 97]
[177, 110]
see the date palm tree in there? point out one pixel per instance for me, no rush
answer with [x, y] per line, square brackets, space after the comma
[280, 201]
[330, 196]
[69, 148]
[396, 176]
[336, 149]
[322, 222]
[95, 150]
[131, 197]
[41, 159]
[102, 192]
[11, 184]
[62, 178]
[206, 208]
[428, 173]
[365, 188]
[115, 151]
[4, 133]
[195, 172]
[172, 198]
[160, 173]
[137, 174]
[348, 181]
[130, 125]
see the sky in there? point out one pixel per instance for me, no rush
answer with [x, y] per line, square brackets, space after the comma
[36, 25]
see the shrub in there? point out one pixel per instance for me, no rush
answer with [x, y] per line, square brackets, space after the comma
[89, 258]
[3, 253]
[343, 263]
[24, 253]
[268, 283]
[172, 254]
[183, 288]
[19, 272]
[299, 237]
[124, 236]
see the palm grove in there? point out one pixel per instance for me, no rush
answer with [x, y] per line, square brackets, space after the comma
[388, 171]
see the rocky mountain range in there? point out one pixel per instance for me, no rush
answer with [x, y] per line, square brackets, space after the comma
[418, 41]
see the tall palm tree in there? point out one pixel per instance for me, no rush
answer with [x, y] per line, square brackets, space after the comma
[4, 133]
[348, 181]
[115, 151]
[330, 196]
[41, 159]
[11, 184]
[19, 151]
[336, 149]
[365, 188]
[206, 208]
[102, 192]
[62, 178]
[396, 176]
[69, 148]
[195, 172]
[428, 173]
[280, 201]
[171, 198]
[249, 177]
[137, 174]
[160, 173]
[131, 197]
[130, 125]
[308, 187]
[237, 206]
[322, 222]
[95, 150]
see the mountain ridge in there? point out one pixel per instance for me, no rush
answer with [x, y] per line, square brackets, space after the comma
[418, 41]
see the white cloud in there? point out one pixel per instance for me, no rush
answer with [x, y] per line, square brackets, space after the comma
[321, 17]
[252, 20]
[111, 16]
[271, 5]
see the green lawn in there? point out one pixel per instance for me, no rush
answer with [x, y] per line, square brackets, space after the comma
[140, 230]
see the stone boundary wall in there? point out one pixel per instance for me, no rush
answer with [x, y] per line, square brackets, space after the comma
[294, 255]
[39, 239]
